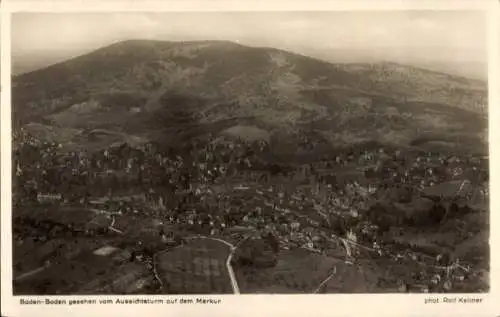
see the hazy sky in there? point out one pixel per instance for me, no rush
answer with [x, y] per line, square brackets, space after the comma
[422, 37]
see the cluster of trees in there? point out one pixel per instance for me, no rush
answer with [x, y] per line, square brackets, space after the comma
[261, 252]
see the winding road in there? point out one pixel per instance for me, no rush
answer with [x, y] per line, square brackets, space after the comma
[232, 249]
[229, 267]
[326, 280]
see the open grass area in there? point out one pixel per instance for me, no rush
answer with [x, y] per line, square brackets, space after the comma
[297, 271]
[198, 267]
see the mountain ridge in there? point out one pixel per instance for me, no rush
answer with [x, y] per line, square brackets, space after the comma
[147, 85]
[424, 65]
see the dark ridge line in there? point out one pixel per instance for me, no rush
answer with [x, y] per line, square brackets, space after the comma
[235, 44]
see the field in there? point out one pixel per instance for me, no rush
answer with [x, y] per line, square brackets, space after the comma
[297, 271]
[301, 160]
[198, 267]
[67, 275]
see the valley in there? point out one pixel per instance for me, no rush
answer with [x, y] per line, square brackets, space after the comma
[131, 162]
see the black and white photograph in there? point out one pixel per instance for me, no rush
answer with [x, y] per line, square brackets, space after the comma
[250, 152]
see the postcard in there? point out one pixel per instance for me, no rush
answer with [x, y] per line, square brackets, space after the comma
[226, 158]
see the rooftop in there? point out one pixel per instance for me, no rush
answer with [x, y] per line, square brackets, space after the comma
[449, 190]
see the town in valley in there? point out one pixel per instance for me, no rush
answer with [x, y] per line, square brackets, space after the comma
[213, 167]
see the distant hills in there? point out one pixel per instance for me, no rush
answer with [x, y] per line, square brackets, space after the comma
[142, 90]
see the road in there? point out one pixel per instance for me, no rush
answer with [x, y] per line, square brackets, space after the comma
[232, 276]
[229, 267]
[326, 280]
[32, 272]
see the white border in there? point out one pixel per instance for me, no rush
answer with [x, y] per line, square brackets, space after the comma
[258, 305]
[238, 5]
[494, 133]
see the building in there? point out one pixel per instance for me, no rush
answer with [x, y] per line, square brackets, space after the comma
[48, 198]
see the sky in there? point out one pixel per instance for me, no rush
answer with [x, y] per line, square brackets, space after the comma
[449, 39]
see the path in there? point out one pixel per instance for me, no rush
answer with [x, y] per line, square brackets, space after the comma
[232, 249]
[32, 272]
[326, 280]
[229, 267]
